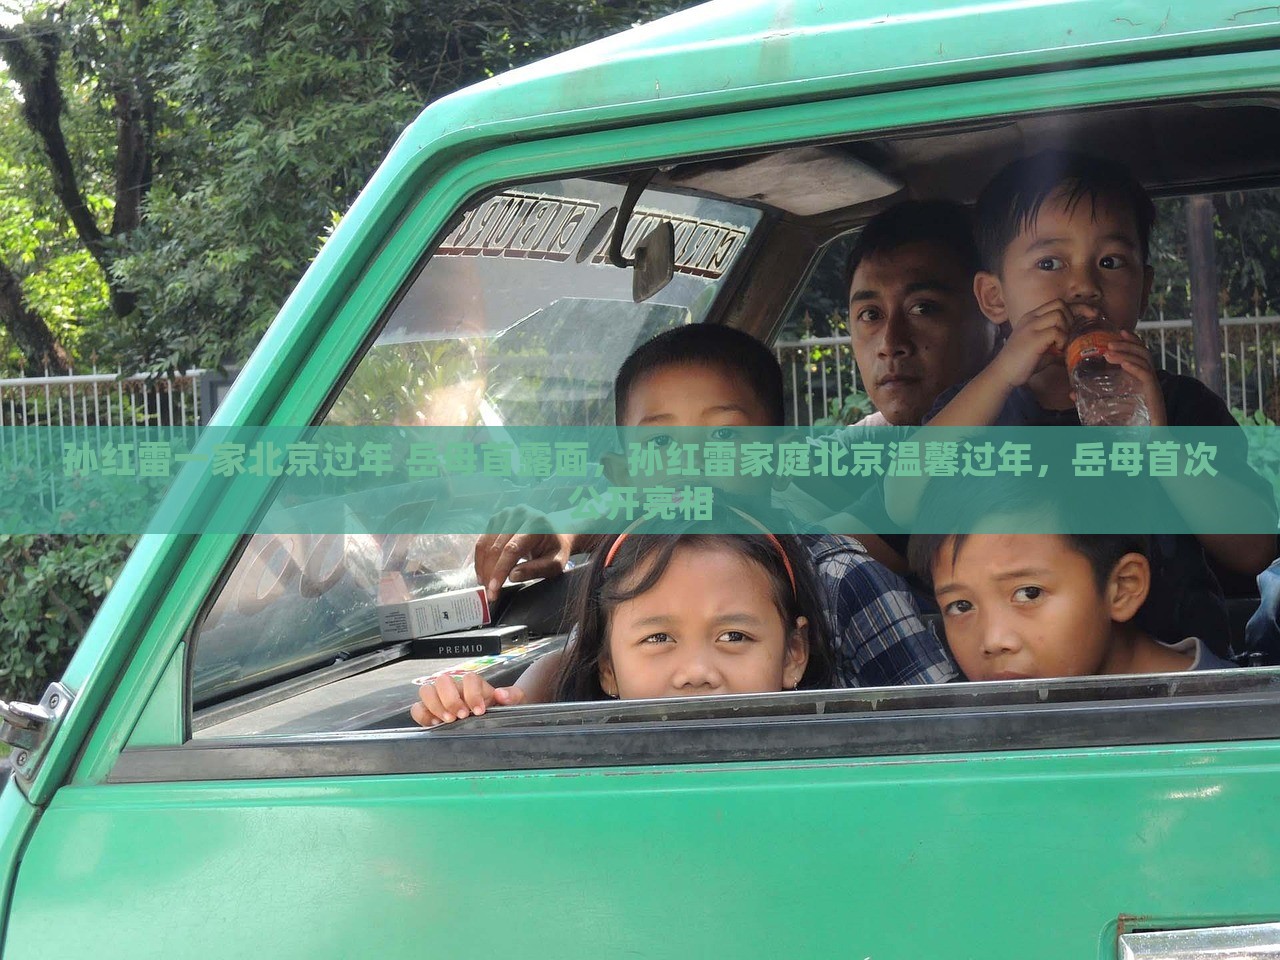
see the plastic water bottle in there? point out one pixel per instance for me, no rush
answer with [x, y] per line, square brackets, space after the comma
[1106, 396]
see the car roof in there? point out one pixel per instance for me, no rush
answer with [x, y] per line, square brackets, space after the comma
[757, 52]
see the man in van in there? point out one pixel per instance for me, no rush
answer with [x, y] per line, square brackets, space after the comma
[915, 325]
[916, 330]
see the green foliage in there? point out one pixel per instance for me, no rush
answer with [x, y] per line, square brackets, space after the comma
[448, 382]
[288, 107]
[1258, 418]
[403, 384]
[851, 409]
[59, 277]
[50, 588]
[1264, 446]
[1246, 231]
[25, 488]
[264, 119]
[822, 309]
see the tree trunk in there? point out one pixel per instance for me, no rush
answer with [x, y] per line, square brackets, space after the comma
[133, 159]
[33, 62]
[28, 329]
[32, 55]
[1203, 267]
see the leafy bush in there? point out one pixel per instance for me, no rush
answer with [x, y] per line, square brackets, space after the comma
[50, 588]
[1258, 418]
[851, 409]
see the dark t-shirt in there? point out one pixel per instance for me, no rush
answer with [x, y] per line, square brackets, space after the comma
[1187, 403]
[1186, 598]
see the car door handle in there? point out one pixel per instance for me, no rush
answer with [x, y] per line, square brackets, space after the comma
[1246, 942]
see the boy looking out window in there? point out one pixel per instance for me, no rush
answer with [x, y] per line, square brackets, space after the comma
[1048, 602]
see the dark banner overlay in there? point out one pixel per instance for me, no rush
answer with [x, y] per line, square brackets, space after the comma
[469, 480]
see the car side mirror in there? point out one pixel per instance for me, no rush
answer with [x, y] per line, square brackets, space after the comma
[655, 262]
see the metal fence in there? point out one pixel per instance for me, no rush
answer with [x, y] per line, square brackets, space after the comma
[819, 373]
[816, 371]
[93, 408]
[101, 399]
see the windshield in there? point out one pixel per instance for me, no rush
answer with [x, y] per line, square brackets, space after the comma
[517, 318]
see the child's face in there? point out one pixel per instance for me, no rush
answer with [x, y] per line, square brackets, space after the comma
[708, 626]
[1087, 255]
[1019, 606]
[686, 395]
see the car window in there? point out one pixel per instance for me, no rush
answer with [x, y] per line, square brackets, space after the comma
[824, 385]
[519, 318]
[516, 319]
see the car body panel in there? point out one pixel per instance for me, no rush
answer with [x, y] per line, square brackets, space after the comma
[391, 864]
[711, 57]
[290, 374]
[18, 817]
[912, 857]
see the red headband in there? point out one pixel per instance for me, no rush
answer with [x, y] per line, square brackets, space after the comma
[791, 576]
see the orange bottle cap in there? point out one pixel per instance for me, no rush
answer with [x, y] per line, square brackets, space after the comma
[1091, 344]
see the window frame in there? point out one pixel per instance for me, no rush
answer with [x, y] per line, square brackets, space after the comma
[852, 725]
[396, 258]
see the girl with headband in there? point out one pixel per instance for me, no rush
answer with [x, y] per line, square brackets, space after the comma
[681, 614]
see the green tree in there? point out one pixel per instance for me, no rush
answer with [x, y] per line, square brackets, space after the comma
[87, 109]
[198, 151]
[292, 105]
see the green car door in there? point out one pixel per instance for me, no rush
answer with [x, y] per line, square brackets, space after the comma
[232, 770]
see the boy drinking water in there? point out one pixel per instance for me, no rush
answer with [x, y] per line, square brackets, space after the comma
[1064, 237]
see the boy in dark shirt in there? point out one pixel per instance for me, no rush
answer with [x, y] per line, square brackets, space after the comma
[1063, 235]
[1035, 606]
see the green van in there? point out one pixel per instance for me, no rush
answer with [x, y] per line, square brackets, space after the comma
[228, 768]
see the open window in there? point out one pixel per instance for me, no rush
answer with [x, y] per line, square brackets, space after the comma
[516, 316]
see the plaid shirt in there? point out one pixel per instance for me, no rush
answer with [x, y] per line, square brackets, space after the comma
[879, 636]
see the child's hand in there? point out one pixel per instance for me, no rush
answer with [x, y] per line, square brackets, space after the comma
[1037, 337]
[450, 698]
[1130, 354]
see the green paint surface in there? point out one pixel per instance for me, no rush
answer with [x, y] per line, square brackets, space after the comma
[1010, 855]
[161, 723]
[17, 818]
